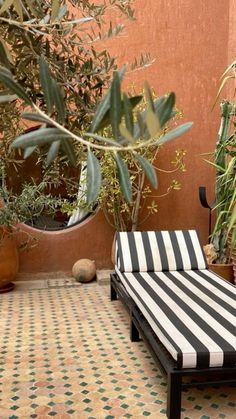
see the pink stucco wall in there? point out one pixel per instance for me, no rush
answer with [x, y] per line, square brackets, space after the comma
[192, 43]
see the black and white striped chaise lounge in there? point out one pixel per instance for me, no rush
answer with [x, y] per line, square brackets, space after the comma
[185, 313]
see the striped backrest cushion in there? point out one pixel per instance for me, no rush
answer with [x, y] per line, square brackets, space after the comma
[156, 251]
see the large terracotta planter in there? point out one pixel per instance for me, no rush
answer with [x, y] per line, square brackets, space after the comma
[9, 260]
[225, 270]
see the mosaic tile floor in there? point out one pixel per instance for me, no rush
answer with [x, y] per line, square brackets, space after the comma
[65, 353]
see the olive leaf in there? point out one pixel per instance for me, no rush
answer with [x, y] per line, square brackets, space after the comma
[55, 9]
[53, 151]
[115, 109]
[6, 78]
[6, 5]
[94, 177]
[39, 137]
[124, 179]
[128, 112]
[174, 133]
[68, 149]
[46, 83]
[148, 169]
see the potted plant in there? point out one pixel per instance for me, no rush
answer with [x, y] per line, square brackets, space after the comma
[68, 35]
[219, 252]
[64, 96]
[15, 209]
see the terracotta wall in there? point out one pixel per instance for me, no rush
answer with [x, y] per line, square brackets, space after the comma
[191, 42]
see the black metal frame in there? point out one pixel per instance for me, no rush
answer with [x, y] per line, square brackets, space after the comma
[140, 327]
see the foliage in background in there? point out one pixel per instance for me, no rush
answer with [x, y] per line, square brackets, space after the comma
[67, 34]
[224, 161]
[58, 101]
[225, 165]
[30, 203]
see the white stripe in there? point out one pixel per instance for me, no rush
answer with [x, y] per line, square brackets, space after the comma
[223, 282]
[198, 250]
[126, 252]
[155, 251]
[208, 318]
[183, 250]
[169, 250]
[188, 361]
[142, 260]
[211, 287]
[183, 316]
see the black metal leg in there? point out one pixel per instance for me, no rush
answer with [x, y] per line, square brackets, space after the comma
[174, 395]
[134, 333]
[113, 294]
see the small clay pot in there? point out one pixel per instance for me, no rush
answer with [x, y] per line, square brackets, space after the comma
[84, 270]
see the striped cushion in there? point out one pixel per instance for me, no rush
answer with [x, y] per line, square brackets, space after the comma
[156, 251]
[193, 313]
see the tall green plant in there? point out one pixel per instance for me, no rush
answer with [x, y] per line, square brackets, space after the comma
[225, 166]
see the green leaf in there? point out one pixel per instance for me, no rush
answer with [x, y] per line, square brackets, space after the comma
[46, 83]
[115, 111]
[39, 137]
[7, 98]
[5, 56]
[100, 119]
[53, 152]
[140, 129]
[68, 149]
[18, 8]
[128, 111]
[152, 122]
[101, 111]
[232, 219]
[59, 102]
[134, 101]
[6, 5]
[94, 177]
[55, 9]
[176, 132]
[34, 117]
[148, 169]
[7, 79]
[124, 179]
[126, 134]
[148, 96]
[28, 151]
[165, 111]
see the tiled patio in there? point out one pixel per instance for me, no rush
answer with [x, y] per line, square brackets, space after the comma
[66, 353]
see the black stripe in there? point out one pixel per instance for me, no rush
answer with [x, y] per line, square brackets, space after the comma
[224, 290]
[203, 357]
[148, 251]
[217, 316]
[205, 327]
[162, 251]
[191, 251]
[133, 252]
[176, 249]
[141, 305]
[120, 257]
[204, 287]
